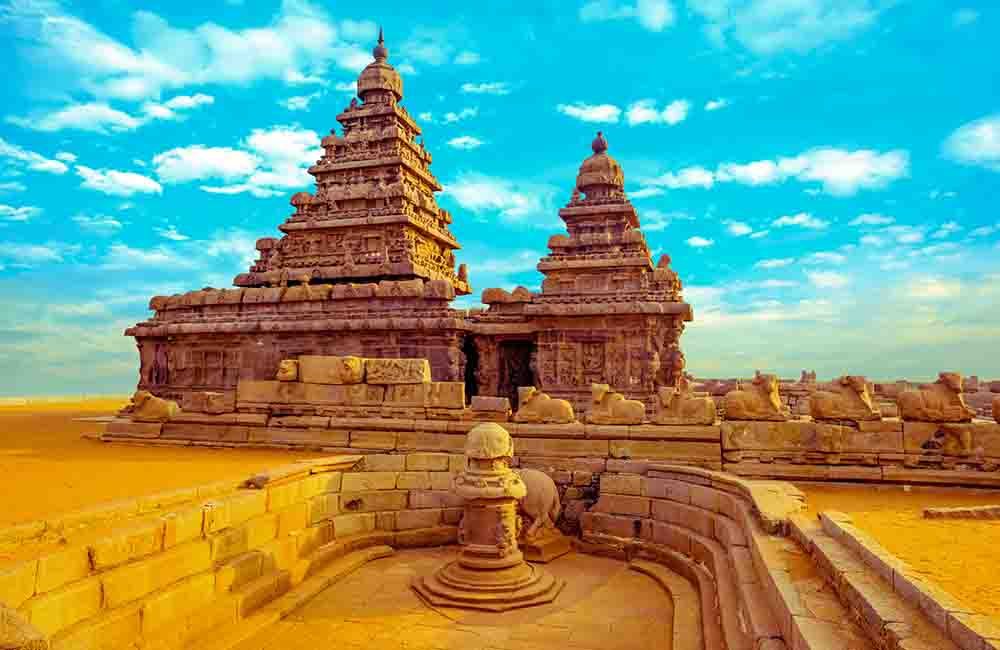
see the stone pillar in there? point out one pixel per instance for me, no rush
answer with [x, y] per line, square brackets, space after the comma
[490, 572]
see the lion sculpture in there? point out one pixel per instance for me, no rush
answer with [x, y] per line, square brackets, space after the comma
[146, 407]
[847, 398]
[288, 370]
[611, 407]
[535, 406]
[760, 401]
[678, 405]
[941, 401]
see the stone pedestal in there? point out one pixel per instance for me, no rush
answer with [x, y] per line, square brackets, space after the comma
[490, 572]
[546, 547]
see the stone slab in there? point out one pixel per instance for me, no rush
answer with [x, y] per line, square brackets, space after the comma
[126, 427]
[666, 450]
[706, 433]
[397, 371]
[317, 369]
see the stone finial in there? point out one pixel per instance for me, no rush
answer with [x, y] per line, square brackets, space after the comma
[489, 441]
[600, 143]
[381, 52]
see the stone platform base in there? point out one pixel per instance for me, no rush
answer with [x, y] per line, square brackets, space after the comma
[461, 587]
[547, 548]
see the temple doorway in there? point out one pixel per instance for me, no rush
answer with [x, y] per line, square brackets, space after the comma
[515, 369]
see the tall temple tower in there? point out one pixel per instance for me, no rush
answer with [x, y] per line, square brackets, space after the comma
[605, 313]
[373, 215]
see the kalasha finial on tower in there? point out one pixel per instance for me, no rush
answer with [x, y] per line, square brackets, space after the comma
[380, 52]
[599, 145]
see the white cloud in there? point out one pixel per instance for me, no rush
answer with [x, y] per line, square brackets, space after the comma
[645, 192]
[12, 186]
[945, 229]
[467, 58]
[100, 224]
[653, 15]
[21, 157]
[759, 234]
[803, 219]
[297, 45]
[31, 254]
[513, 262]
[99, 117]
[841, 172]
[268, 162]
[487, 88]
[655, 220]
[828, 279]
[66, 156]
[513, 201]
[905, 234]
[871, 220]
[933, 287]
[451, 116]
[738, 228]
[699, 242]
[775, 263]
[299, 102]
[976, 143]
[963, 17]
[716, 104]
[767, 27]
[984, 231]
[171, 233]
[22, 213]
[198, 162]
[465, 142]
[644, 111]
[349, 87]
[116, 183]
[825, 257]
[606, 113]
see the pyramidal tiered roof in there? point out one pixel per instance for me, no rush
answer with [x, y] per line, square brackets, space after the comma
[604, 259]
[373, 215]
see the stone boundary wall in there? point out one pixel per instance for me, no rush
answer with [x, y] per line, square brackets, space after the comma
[715, 530]
[194, 567]
[879, 451]
[965, 628]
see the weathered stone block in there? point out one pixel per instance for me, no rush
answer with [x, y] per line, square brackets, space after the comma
[622, 505]
[424, 441]
[373, 501]
[238, 571]
[397, 371]
[413, 481]
[364, 481]
[490, 404]
[424, 518]
[620, 484]
[441, 480]
[228, 543]
[408, 395]
[297, 436]
[435, 499]
[322, 483]
[558, 447]
[354, 524]
[126, 545]
[271, 392]
[323, 507]
[113, 629]
[125, 427]
[423, 537]
[17, 582]
[664, 488]
[62, 567]
[427, 462]
[294, 517]
[166, 607]
[707, 433]
[618, 526]
[382, 463]
[58, 609]
[315, 369]
[373, 440]
[205, 432]
[666, 449]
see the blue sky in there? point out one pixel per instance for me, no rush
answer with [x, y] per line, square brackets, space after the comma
[823, 173]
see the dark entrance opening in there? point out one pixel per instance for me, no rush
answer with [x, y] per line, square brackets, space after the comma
[471, 363]
[515, 369]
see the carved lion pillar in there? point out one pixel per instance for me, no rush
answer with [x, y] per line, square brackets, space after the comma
[488, 368]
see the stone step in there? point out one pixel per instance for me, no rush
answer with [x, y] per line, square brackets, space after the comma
[883, 614]
[687, 626]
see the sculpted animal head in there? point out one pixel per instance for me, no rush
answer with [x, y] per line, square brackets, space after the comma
[952, 380]
[288, 369]
[351, 366]
[141, 397]
[598, 391]
[525, 394]
[767, 385]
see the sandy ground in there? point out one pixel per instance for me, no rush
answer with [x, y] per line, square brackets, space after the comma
[48, 469]
[960, 556]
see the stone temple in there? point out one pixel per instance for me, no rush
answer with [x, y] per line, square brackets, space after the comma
[366, 267]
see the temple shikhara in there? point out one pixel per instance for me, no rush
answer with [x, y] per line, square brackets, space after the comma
[547, 453]
[366, 267]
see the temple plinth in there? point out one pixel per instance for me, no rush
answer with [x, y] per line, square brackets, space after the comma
[490, 572]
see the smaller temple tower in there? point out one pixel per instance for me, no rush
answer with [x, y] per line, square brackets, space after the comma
[605, 313]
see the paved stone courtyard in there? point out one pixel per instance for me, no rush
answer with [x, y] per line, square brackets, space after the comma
[604, 605]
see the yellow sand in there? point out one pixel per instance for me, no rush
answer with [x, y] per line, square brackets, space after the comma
[960, 556]
[47, 469]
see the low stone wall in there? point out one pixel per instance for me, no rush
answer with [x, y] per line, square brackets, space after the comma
[173, 575]
[715, 530]
[883, 450]
[963, 627]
